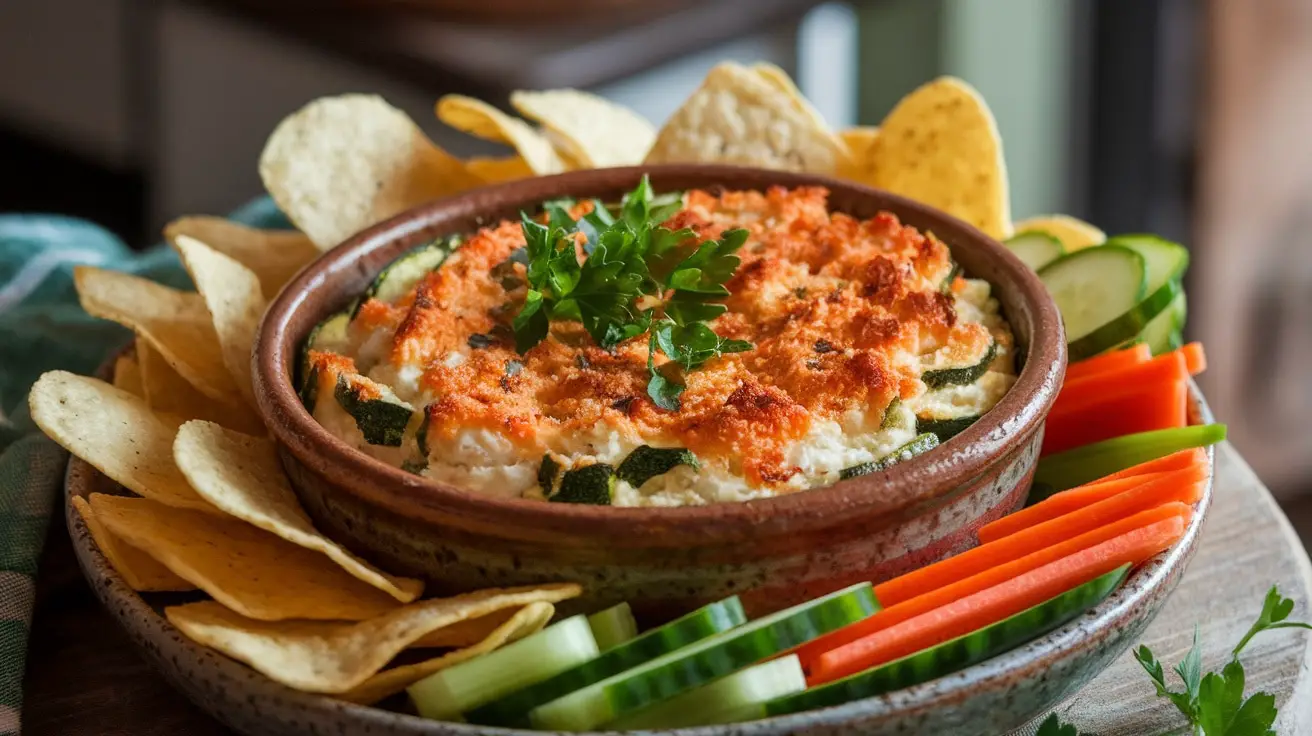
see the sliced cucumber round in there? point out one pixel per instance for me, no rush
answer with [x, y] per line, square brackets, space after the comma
[739, 697]
[705, 661]
[1163, 333]
[513, 709]
[613, 626]
[447, 693]
[1096, 287]
[958, 653]
[1036, 249]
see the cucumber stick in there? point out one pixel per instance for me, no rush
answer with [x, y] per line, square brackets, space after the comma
[613, 626]
[513, 709]
[452, 691]
[958, 653]
[703, 662]
[1090, 462]
[1036, 249]
[739, 697]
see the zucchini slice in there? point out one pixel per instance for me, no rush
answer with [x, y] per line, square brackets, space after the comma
[922, 443]
[402, 274]
[945, 429]
[962, 374]
[329, 336]
[647, 462]
[953, 273]
[958, 653]
[593, 484]
[707, 621]
[548, 471]
[1036, 249]
[381, 420]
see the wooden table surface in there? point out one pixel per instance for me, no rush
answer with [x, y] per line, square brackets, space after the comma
[85, 679]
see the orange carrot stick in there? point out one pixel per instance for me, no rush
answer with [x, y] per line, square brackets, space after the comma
[1141, 409]
[1194, 357]
[1060, 504]
[1117, 359]
[1184, 486]
[930, 600]
[1175, 461]
[989, 606]
[1164, 368]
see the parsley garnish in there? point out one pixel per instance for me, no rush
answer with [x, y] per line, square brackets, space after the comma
[629, 257]
[1052, 726]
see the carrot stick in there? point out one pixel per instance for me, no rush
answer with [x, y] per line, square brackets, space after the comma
[1060, 504]
[1194, 357]
[989, 606]
[1137, 353]
[1141, 409]
[1079, 392]
[1184, 486]
[930, 600]
[1175, 461]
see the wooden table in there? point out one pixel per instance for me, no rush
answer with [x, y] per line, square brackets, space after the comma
[85, 679]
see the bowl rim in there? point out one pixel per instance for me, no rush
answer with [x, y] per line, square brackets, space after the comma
[906, 485]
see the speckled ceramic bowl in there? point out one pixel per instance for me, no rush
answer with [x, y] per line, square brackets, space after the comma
[775, 552]
[988, 699]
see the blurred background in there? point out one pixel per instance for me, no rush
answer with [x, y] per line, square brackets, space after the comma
[1186, 118]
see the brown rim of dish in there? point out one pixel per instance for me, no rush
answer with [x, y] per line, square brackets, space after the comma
[917, 481]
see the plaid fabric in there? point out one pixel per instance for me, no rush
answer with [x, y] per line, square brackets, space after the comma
[43, 328]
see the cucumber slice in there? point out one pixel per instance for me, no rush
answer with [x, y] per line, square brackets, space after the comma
[1090, 462]
[708, 660]
[968, 372]
[921, 443]
[401, 275]
[613, 626]
[329, 336]
[446, 694]
[739, 697]
[958, 653]
[1096, 288]
[945, 429]
[382, 420]
[513, 709]
[1163, 333]
[594, 484]
[647, 462]
[1036, 249]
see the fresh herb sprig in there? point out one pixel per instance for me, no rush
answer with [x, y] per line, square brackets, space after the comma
[1053, 726]
[630, 258]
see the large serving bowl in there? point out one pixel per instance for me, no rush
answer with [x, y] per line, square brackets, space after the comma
[774, 552]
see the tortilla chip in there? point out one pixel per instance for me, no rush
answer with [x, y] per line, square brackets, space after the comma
[464, 633]
[241, 475]
[273, 255]
[127, 374]
[1074, 234]
[737, 117]
[497, 170]
[246, 569]
[116, 432]
[334, 657]
[940, 146]
[168, 392]
[859, 142]
[593, 131]
[236, 304]
[481, 120]
[341, 164]
[528, 620]
[139, 570]
[779, 79]
[176, 323]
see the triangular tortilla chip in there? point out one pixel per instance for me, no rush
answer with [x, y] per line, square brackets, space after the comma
[273, 255]
[127, 374]
[481, 120]
[168, 392]
[139, 570]
[594, 131]
[497, 170]
[859, 142]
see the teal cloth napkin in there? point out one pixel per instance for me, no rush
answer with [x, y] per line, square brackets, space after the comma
[43, 328]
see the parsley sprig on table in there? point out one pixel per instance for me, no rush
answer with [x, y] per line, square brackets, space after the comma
[638, 277]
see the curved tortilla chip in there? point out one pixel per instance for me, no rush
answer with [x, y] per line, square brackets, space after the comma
[127, 374]
[116, 432]
[940, 146]
[859, 142]
[481, 120]
[496, 170]
[176, 323]
[1074, 234]
[334, 657]
[273, 255]
[241, 475]
[779, 79]
[341, 164]
[139, 570]
[594, 131]
[169, 393]
[247, 569]
[737, 117]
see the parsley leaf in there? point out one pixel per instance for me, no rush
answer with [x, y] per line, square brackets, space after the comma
[1275, 609]
[1052, 726]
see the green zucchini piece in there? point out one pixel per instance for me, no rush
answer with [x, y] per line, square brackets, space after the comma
[920, 444]
[705, 622]
[548, 471]
[613, 626]
[447, 693]
[1035, 249]
[646, 462]
[710, 659]
[401, 275]
[593, 484]
[739, 697]
[961, 375]
[309, 391]
[382, 421]
[890, 413]
[953, 273]
[945, 429]
[958, 653]
[1083, 464]
[1163, 333]
[329, 336]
